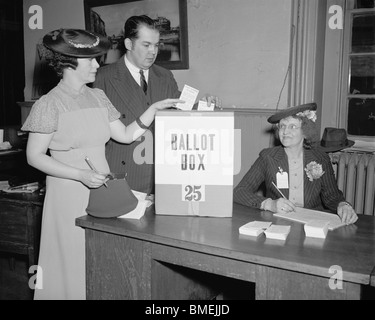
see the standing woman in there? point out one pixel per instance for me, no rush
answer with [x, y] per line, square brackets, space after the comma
[73, 122]
[300, 171]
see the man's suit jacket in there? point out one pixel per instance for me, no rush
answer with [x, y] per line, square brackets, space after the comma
[319, 194]
[129, 99]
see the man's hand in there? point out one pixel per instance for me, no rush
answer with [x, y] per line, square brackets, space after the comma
[213, 99]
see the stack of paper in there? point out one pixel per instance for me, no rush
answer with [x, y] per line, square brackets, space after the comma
[316, 228]
[277, 232]
[254, 228]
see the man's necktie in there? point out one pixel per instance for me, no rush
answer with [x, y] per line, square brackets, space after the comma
[143, 82]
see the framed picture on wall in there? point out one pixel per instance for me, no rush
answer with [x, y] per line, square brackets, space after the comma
[108, 17]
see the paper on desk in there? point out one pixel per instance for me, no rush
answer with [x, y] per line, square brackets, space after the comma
[25, 188]
[5, 145]
[189, 95]
[4, 185]
[144, 197]
[141, 207]
[362, 146]
[138, 212]
[304, 215]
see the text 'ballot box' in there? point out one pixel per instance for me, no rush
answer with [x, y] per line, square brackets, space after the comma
[194, 163]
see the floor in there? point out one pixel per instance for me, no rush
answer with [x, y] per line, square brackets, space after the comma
[14, 278]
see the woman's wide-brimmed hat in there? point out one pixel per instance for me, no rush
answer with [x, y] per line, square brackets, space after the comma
[335, 139]
[112, 201]
[77, 43]
[292, 111]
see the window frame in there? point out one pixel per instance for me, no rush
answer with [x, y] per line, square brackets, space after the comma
[345, 95]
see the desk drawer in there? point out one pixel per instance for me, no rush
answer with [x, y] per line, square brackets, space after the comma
[13, 222]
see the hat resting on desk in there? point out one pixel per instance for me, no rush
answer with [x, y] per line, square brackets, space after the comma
[300, 110]
[77, 43]
[113, 201]
[335, 139]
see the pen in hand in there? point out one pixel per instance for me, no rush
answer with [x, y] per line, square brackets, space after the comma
[278, 190]
[93, 168]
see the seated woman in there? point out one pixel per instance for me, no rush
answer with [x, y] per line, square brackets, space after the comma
[295, 173]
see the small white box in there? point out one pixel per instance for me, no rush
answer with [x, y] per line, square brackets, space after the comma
[254, 228]
[316, 228]
[277, 232]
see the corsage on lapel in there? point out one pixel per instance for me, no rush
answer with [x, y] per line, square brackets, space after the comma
[314, 170]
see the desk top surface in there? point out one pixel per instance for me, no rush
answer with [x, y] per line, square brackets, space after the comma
[12, 151]
[350, 247]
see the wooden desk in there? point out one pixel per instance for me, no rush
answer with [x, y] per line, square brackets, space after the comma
[172, 257]
[20, 224]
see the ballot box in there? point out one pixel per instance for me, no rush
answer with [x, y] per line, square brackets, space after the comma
[194, 163]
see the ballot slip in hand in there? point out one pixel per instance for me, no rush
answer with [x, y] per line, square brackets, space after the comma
[189, 95]
[254, 228]
[202, 106]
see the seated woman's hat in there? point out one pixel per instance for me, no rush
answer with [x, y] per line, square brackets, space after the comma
[77, 43]
[292, 111]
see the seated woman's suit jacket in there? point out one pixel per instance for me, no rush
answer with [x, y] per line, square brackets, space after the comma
[319, 194]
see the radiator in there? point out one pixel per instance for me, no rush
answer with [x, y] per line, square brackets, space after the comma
[355, 174]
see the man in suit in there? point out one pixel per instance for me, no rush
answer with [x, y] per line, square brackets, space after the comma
[132, 93]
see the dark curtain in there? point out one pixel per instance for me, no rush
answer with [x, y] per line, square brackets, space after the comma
[12, 71]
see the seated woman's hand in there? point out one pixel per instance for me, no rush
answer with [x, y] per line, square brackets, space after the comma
[280, 205]
[165, 104]
[346, 213]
